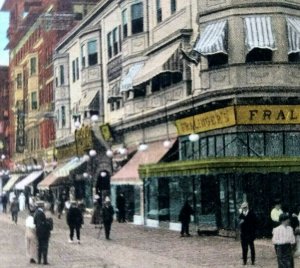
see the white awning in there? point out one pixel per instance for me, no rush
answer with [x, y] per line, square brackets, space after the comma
[126, 82]
[259, 33]
[87, 100]
[29, 179]
[13, 178]
[155, 65]
[293, 27]
[213, 39]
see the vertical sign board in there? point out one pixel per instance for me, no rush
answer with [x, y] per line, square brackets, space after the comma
[20, 135]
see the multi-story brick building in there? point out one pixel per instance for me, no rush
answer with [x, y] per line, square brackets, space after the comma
[35, 28]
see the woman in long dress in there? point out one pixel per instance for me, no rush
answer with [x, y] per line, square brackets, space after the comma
[30, 237]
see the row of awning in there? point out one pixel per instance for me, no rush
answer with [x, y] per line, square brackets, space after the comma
[61, 172]
[258, 34]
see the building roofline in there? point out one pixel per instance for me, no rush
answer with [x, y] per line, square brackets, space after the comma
[90, 17]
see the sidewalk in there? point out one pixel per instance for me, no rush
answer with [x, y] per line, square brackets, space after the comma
[131, 246]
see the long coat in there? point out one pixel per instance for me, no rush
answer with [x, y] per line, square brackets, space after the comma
[185, 213]
[30, 238]
[107, 214]
[248, 226]
[74, 217]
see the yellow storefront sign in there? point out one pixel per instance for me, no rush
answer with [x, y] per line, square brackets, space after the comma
[220, 118]
[239, 115]
[268, 114]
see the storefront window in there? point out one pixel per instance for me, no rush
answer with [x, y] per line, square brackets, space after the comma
[151, 188]
[292, 144]
[230, 145]
[242, 144]
[274, 144]
[203, 147]
[219, 145]
[163, 200]
[211, 147]
[256, 144]
[137, 200]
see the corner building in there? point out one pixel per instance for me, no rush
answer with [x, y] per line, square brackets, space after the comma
[247, 115]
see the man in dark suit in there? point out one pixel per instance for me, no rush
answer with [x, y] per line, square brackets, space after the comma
[43, 229]
[248, 229]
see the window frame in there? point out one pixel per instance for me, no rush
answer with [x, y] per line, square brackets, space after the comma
[158, 12]
[33, 66]
[115, 41]
[137, 23]
[124, 24]
[33, 104]
[173, 6]
[19, 80]
[92, 56]
[61, 74]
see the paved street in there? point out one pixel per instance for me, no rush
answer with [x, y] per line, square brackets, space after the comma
[131, 247]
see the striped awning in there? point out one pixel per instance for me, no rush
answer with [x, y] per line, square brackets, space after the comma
[13, 179]
[126, 82]
[293, 27]
[259, 33]
[213, 39]
[28, 180]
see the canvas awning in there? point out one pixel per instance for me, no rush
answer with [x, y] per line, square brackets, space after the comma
[259, 33]
[61, 172]
[129, 172]
[293, 27]
[127, 79]
[90, 101]
[11, 182]
[213, 39]
[156, 64]
[28, 180]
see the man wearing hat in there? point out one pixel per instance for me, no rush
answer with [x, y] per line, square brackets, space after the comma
[107, 214]
[248, 229]
[283, 239]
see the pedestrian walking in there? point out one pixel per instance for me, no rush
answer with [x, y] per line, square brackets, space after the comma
[283, 239]
[185, 218]
[43, 230]
[107, 214]
[30, 238]
[22, 200]
[14, 209]
[4, 200]
[275, 213]
[121, 204]
[247, 222]
[74, 221]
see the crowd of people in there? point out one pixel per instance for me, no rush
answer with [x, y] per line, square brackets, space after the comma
[39, 222]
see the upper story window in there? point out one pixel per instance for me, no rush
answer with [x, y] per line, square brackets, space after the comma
[34, 103]
[19, 80]
[158, 11]
[109, 45]
[115, 41]
[75, 70]
[259, 54]
[137, 18]
[61, 74]
[173, 6]
[83, 55]
[125, 23]
[32, 66]
[63, 116]
[92, 53]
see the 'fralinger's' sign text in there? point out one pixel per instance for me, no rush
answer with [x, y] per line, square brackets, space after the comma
[239, 115]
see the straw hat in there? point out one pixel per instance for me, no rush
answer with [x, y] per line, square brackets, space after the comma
[107, 199]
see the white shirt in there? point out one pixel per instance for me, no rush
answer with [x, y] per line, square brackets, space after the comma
[30, 222]
[283, 235]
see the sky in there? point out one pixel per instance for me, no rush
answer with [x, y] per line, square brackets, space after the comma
[4, 18]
